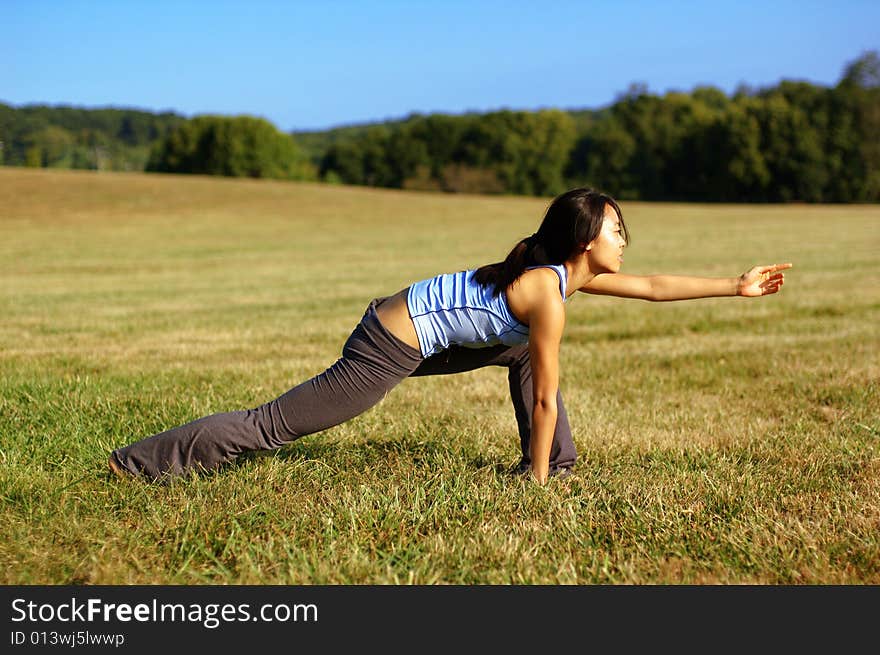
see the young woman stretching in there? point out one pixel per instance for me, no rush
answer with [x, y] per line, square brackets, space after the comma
[508, 314]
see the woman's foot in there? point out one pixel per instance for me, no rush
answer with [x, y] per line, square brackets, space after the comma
[560, 472]
[115, 469]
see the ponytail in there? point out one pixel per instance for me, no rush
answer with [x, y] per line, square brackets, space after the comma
[573, 219]
[500, 275]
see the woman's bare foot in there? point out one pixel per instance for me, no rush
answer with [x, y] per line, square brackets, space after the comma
[115, 469]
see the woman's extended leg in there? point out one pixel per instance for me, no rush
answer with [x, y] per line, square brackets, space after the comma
[519, 378]
[373, 362]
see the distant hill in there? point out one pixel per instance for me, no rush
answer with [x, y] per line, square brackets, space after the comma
[64, 136]
[794, 141]
[316, 143]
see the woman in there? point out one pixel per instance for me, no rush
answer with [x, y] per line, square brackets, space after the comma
[510, 314]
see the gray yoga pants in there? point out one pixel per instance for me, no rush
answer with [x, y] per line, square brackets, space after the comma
[373, 362]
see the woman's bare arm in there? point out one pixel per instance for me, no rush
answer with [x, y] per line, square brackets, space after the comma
[546, 318]
[757, 281]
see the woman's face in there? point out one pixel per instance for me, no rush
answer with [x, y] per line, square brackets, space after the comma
[606, 250]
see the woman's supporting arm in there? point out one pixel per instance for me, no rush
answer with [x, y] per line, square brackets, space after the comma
[546, 324]
[757, 281]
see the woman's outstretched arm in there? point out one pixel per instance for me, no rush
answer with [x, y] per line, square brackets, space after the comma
[757, 281]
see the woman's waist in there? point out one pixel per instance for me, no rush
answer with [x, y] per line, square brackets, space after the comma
[393, 313]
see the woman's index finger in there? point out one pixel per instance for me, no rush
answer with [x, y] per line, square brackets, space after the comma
[775, 267]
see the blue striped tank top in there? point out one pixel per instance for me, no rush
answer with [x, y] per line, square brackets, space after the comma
[452, 309]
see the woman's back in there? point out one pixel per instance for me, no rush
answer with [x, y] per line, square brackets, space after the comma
[454, 309]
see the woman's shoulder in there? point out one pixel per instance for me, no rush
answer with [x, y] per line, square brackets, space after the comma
[542, 275]
[549, 275]
[533, 289]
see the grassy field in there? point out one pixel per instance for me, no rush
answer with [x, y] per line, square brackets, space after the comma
[721, 441]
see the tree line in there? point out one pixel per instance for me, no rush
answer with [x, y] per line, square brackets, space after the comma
[72, 137]
[791, 142]
[794, 141]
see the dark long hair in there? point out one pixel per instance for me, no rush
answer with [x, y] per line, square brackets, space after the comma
[573, 220]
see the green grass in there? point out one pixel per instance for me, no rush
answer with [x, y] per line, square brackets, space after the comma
[721, 440]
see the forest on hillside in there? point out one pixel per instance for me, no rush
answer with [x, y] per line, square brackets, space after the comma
[794, 141]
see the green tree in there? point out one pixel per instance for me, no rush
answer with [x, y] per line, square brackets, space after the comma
[49, 147]
[863, 72]
[602, 159]
[361, 160]
[406, 154]
[442, 136]
[720, 158]
[528, 151]
[240, 146]
[792, 149]
[856, 112]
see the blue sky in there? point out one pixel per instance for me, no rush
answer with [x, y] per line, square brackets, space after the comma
[313, 65]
